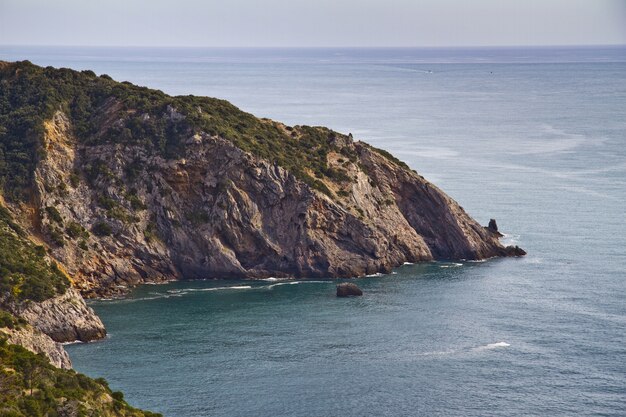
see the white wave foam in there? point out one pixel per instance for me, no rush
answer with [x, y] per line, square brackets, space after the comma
[188, 290]
[451, 265]
[75, 342]
[510, 240]
[293, 283]
[408, 263]
[492, 346]
[437, 353]
[377, 274]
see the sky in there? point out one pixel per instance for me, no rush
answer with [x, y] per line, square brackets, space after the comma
[310, 23]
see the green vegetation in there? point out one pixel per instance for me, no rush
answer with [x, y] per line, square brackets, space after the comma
[54, 214]
[135, 202]
[389, 157]
[102, 229]
[31, 387]
[9, 321]
[25, 271]
[29, 95]
[75, 231]
[56, 235]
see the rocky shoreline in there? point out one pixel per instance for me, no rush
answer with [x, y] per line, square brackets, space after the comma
[125, 185]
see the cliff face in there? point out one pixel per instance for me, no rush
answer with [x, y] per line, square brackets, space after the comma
[38, 342]
[221, 194]
[60, 319]
[64, 318]
[219, 212]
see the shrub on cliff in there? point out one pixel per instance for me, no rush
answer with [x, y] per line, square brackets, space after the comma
[31, 387]
[25, 271]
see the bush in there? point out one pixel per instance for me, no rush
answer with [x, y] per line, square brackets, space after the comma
[54, 214]
[33, 387]
[25, 271]
[75, 230]
[102, 229]
[57, 236]
[10, 321]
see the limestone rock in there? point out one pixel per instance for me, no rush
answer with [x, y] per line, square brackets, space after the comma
[65, 318]
[514, 251]
[38, 342]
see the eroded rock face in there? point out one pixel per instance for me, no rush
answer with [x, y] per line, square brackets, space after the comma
[65, 318]
[219, 212]
[38, 342]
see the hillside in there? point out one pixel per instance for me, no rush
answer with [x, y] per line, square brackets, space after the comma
[125, 185]
[38, 309]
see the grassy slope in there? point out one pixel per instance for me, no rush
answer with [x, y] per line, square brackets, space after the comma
[25, 271]
[31, 387]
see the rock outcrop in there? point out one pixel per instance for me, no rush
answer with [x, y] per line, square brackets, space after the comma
[348, 289]
[38, 342]
[493, 228]
[64, 318]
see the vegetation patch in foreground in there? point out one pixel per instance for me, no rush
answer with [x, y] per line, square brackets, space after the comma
[31, 387]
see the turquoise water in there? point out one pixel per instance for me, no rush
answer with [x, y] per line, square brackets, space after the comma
[533, 137]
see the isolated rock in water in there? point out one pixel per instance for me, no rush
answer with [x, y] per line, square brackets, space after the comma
[514, 251]
[493, 227]
[346, 289]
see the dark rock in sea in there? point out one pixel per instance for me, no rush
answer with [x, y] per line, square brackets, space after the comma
[347, 289]
[514, 251]
[493, 227]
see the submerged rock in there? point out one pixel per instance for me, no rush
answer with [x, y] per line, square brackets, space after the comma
[346, 289]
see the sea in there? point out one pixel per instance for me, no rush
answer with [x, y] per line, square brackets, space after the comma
[533, 137]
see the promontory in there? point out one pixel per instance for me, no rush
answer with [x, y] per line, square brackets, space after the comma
[105, 185]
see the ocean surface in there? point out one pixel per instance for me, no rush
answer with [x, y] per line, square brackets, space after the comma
[535, 138]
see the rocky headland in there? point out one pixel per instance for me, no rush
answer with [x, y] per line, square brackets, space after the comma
[106, 185]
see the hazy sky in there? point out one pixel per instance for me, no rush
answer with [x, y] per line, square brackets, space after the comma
[312, 22]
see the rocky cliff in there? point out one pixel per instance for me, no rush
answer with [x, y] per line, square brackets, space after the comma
[64, 318]
[38, 342]
[128, 185]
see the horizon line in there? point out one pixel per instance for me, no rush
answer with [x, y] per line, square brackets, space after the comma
[323, 47]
